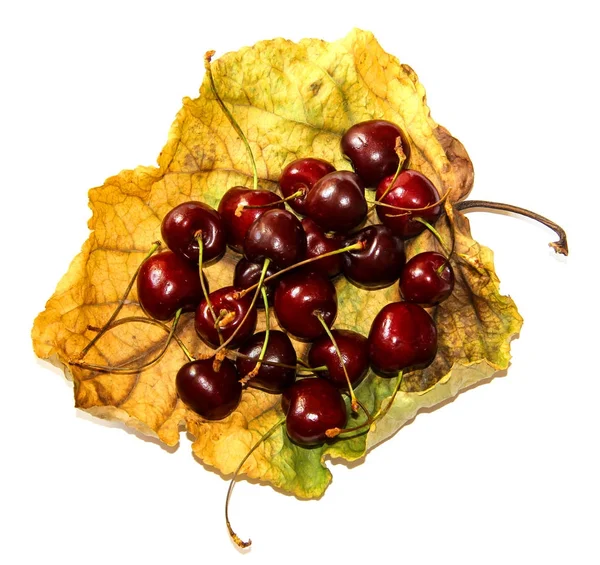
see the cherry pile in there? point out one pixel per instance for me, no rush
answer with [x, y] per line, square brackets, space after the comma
[288, 259]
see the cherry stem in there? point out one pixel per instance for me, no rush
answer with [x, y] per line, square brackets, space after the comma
[263, 438]
[334, 432]
[296, 194]
[353, 401]
[357, 245]
[203, 285]
[207, 58]
[435, 233]
[559, 246]
[401, 160]
[121, 369]
[237, 354]
[258, 286]
[152, 321]
[93, 341]
[263, 350]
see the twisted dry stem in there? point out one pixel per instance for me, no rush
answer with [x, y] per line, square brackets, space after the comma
[559, 246]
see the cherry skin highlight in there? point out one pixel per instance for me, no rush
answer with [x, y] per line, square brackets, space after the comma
[276, 235]
[410, 190]
[354, 349]
[371, 148]
[337, 202]
[181, 224]
[299, 297]
[232, 309]
[211, 394]
[312, 406]
[402, 336]
[379, 263]
[302, 174]
[279, 350]
[237, 219]
[166, 282]
[427, 279]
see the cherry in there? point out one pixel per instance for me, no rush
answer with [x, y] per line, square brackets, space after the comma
[299, 298]
[211, 394]
[312, 406]
[410, 190]
[318, 243]
[337, 202]
[371, 148]
[279, 350]
[247, 274]
[354, 350]
[237, 217]
[402, 336]
[165, 283]
[427, 279]
[181, 225]
[276, 235]
[230, 311]
[379, 263]
[301, 175]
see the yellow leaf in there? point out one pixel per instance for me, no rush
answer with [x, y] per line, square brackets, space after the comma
[292, 100]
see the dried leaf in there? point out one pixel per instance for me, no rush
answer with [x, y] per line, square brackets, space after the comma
[291, 100]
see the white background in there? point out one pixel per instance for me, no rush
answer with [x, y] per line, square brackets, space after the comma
[507, 473]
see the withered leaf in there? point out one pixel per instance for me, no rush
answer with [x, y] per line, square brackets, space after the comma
[292, 100]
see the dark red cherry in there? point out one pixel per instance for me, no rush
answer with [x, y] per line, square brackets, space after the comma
[403, 336]
[411, 190]
[276, 235]
[318, 243]
[371, 148]
[247, 274]
[279, 350]
[181, 224]
[233, 310]
[354, 349]
[312, 406]
[167, 282]
[427, 279]
[211, 394]
[237, 219]
[299, 297]
[337, 202]
[302, 174]
[379, 263]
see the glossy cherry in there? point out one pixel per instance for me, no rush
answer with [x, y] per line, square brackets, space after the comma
[276, 235]
[427, 279]
[232, 309]
[402, 336]
[302, 174]
[354, 350]
[167, 282]
[337, 202]
[181, 224]
[211, 394]
[317, 243]
[371, 148]
[247, 274]
[279, 350]
[299, 297]
[379, 263]
[237, 218]
[312, 406]
[410, 190]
